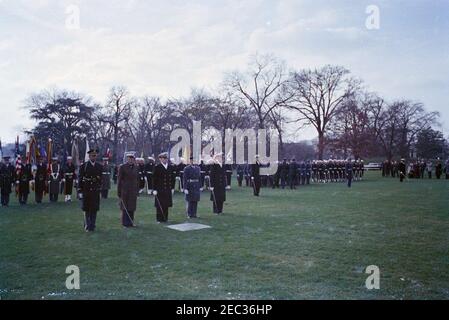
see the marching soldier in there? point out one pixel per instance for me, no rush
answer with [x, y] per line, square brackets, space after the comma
[402, 170]
[276, 176]
[164, 181]
[40, 180]
[204, 173]
[217, 184]
[180, 173]
[89, 189]
[105, 178]
[69, 173]
[240, 174]
[349, 169]
[292, 173]
[255, 176]
[149, 168]
[308, 171]
[24, 176]
[438, 169]
[6, 180]
[247, 174]
[54, 179]
[192, 175]
[128, 186]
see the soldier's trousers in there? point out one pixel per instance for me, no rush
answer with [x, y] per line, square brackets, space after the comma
[218, 207]
[38, 195]
[292, 181]
[90, 219]
[23, 198]
[161, 214]
[240, 179]
[104, 193]
[192, 207]
[256, 185]
[127, 218]
[5, 199]
[53, 197]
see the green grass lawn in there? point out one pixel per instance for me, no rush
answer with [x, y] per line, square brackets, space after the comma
[310, 243]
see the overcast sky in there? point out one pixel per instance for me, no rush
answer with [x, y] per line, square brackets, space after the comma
[167, 47]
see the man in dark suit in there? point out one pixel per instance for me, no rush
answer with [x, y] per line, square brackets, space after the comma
[163, 183]
[54, 179]
[128, 186]
[217, 183]
[89, 189]
[191, 183]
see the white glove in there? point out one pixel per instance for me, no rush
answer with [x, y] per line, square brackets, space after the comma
[17, 182]
[63, 180]
[186, 191]
[172, 191]
[80, 195]
[155, 193]
[252, 178]
[211, 189]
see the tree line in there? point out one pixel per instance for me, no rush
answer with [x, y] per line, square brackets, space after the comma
[348, 119]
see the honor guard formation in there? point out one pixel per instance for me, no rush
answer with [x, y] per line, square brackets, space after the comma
[161, 178]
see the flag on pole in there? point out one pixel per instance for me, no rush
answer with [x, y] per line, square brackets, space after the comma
[49, 154]
[86, 156]
[75, 152]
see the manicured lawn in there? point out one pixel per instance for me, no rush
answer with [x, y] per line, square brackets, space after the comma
[310, 243]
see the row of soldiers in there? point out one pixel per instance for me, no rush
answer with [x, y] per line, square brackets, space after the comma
[53, 179]
[292, 174]
[418, 169]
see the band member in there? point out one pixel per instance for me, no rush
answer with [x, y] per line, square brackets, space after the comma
[89, 189]
[105, 178]
[40, 180]
[69, 173]
[164, 181]
[192, 175]
[128, 189]
[255, 176]
[217, 183]
[23, 177]
[6, 180]
[149, 168]
[54, 179]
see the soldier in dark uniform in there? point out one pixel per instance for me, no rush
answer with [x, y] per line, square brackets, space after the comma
[402, 170]
[164, 181]
[192, 174]
[349, 170]
[40, 179]
[128, 186]
[23, 177]
[217, 184]
[292, 173]
[240, 174]
[69, 176]
[6, 180]
[247, 174]
[276, 176]
[180, 173]
[438, 169]
[149, 168]
[284, 173]
[140, 164]
[255, 176]
[105, 178]
[54, 179]
[203, 171]
[89, 189]
[115, 174]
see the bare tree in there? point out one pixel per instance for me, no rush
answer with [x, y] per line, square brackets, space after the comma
[318, 95]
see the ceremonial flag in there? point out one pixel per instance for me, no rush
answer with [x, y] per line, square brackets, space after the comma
[86, 156]
[49, 154]
[75, 153]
